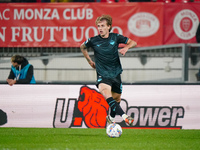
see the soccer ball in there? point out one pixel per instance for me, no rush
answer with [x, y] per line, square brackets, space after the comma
[114, 130]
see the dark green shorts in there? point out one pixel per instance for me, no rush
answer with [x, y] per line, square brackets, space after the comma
[115, 83]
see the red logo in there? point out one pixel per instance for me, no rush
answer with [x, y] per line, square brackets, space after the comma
[93, 106]
[186, 24]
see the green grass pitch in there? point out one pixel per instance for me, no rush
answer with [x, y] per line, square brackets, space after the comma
[96, 139]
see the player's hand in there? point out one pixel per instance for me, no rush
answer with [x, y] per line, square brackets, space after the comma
[11, 81]
[92, 64]
[123, 51]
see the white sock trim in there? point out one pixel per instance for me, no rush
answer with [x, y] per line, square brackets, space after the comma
[124, 116]
[112, 119]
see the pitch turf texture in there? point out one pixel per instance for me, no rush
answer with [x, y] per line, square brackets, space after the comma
[96, 139]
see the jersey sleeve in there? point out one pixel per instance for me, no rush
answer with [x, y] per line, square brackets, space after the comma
[122, 39]
[88, 43]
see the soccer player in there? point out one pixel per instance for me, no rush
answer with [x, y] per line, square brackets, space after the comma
[21, 71]
[107, 64]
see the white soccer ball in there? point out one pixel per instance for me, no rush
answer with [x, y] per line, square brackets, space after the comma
[114, 130]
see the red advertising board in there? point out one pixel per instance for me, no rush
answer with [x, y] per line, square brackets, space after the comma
[181, 22]
[70, 24]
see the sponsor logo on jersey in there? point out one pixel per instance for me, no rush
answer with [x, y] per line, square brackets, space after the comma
[112, 42]
[98, 45]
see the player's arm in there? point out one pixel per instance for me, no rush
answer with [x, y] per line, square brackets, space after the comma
[129, 44]
[86, 55]
[11, 78]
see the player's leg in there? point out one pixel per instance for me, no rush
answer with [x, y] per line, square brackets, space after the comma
[116, 94]
[117, 97]
[129, 120]
[105, 90]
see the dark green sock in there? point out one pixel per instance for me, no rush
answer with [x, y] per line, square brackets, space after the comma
[113, 113]
[115, 107]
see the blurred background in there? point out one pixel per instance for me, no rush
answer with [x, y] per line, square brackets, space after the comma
[49, 33]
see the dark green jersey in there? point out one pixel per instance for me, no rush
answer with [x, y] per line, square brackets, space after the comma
[106, 54]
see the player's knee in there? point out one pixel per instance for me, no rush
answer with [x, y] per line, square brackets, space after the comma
[118, 100]
[106, 93]
[117, 97]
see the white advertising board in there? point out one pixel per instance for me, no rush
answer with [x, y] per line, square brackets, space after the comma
[82, 106]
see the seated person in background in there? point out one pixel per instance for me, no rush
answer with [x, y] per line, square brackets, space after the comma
[21, 71]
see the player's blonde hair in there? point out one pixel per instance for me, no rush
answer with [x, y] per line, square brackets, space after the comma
[108, 19]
